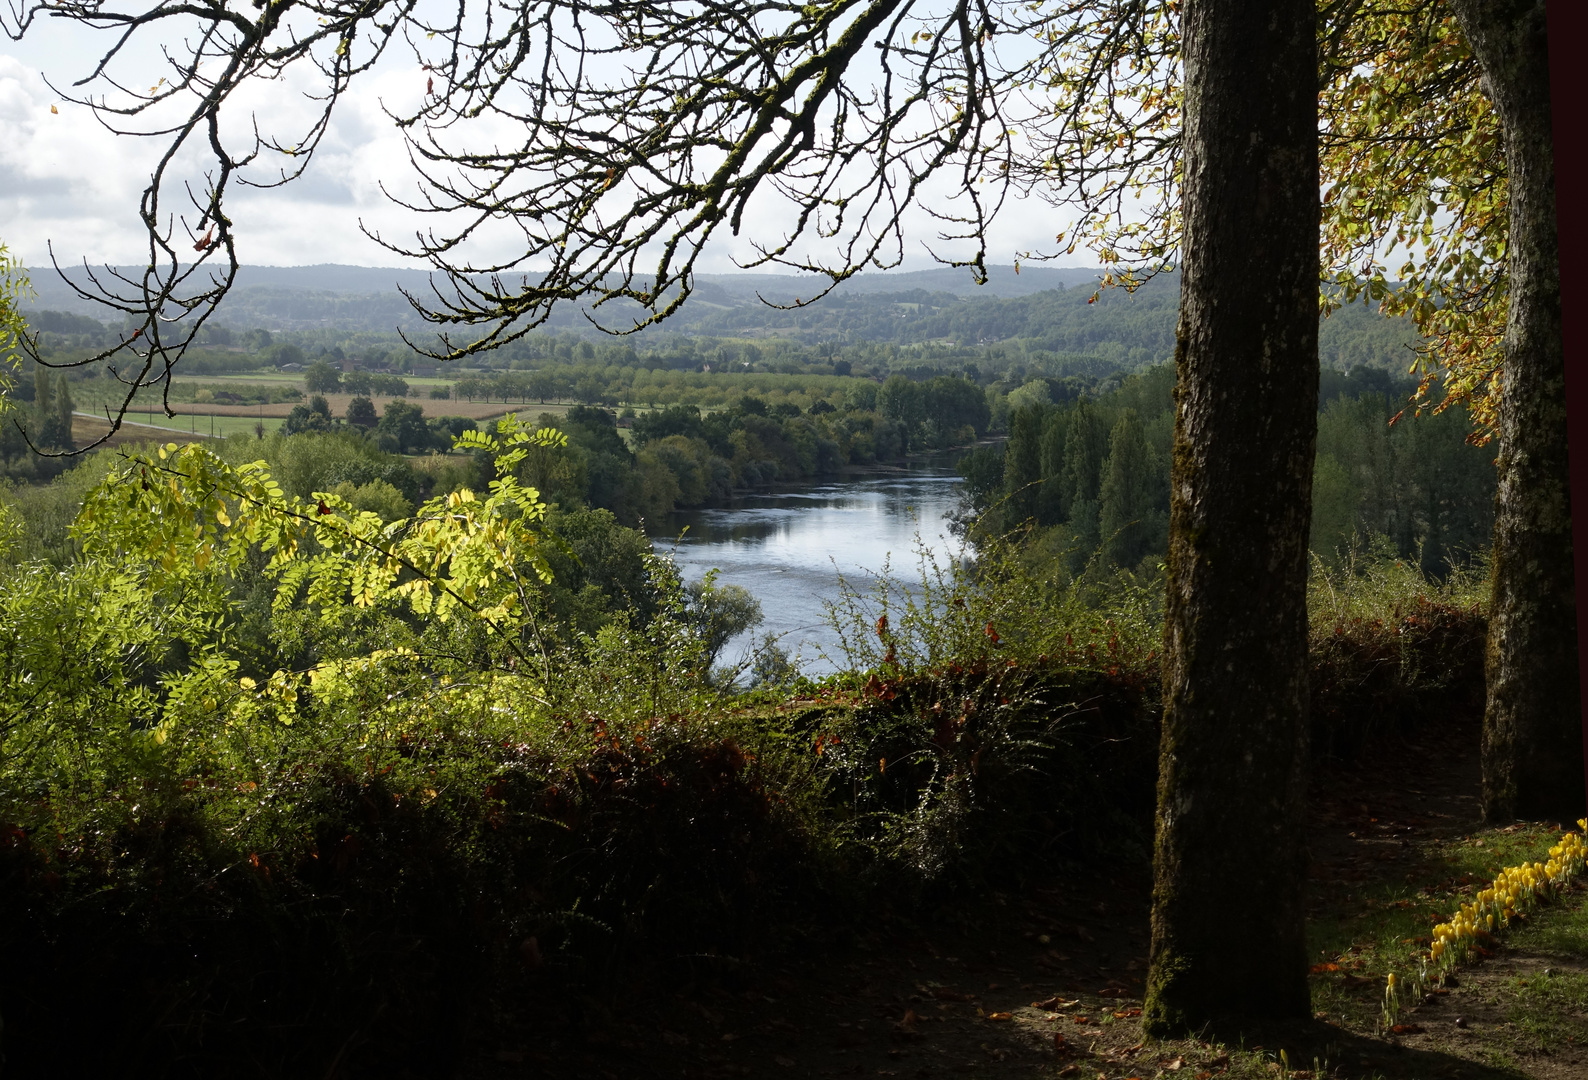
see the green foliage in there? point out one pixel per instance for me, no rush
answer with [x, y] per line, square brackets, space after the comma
[722, 613]
[404, 424]
[684, 458]
[286, 718]
[1091, 477]
[44, 512]
[361, 413]
[1419, 482]
[1413, 168]
[1391, 647]
[321, 378]
[13, 328]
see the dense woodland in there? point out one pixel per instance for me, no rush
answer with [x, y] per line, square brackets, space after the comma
[1089, 479]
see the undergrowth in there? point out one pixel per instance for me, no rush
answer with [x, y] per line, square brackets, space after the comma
[341, 880]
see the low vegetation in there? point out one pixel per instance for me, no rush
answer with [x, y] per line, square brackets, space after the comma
[341, 735]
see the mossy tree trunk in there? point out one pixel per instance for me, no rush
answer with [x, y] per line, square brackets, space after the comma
[1227, 924]
[1532, 726]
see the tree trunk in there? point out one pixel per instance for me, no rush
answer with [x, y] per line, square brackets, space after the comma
[1227, 923]
[1532, 725]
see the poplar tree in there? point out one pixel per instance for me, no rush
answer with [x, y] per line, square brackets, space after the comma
[1125, 495]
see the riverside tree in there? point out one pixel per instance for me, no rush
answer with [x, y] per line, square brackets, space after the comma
[642, 132]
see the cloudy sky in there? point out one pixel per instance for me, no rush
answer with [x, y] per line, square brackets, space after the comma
[66, 181]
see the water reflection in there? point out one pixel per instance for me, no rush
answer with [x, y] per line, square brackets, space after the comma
[789, 548]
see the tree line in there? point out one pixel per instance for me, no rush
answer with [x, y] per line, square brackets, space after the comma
[684, 458]
[1088, 480]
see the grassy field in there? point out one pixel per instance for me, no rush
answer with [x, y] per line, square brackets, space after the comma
[203, 421]
[87, 428]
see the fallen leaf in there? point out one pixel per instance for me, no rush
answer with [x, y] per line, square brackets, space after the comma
[1083, 1019]
[1176, 1065]
[1126, 1014]
[1000, 1016]
[1407, 1029]
[1111, 992]
[1320, 969]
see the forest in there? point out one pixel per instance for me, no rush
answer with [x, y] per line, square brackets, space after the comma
[1089, 479]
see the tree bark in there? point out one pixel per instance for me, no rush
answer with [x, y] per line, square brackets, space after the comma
[1227, 925]
[1532, 724]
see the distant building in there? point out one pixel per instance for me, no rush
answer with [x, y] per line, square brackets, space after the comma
[291, 367]
[422, 371]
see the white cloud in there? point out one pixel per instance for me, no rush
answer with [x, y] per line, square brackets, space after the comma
[66, 181]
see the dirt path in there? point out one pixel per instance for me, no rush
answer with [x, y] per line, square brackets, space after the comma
[1048, 982]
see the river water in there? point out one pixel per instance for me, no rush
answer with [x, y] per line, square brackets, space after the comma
[789, 548]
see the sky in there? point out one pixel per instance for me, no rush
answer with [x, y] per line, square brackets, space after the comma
[68, 184]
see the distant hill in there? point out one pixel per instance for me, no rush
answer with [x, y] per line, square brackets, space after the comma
[368, 298]
[1040, 309]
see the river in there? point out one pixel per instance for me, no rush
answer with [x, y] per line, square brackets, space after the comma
[789, 548]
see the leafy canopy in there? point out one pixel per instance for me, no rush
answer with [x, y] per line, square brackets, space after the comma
[185, 511]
